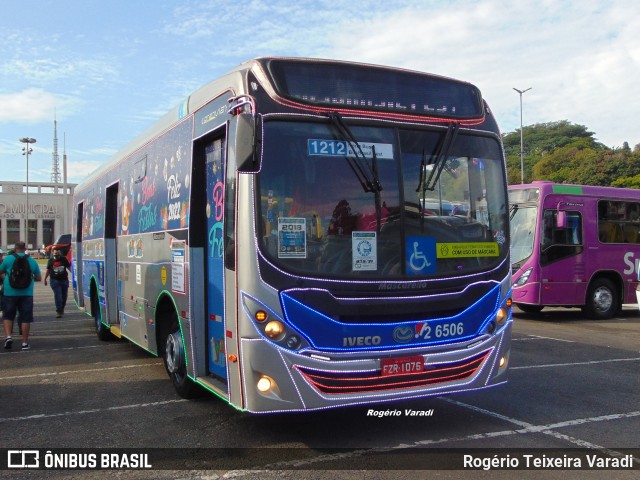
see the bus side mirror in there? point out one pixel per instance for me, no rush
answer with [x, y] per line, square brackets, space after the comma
[561, 219]
[244, 131]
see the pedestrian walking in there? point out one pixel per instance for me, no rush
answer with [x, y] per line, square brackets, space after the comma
[57, 269]
[20, 271]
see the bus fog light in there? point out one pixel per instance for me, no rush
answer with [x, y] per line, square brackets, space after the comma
[274, 330]
[264, 384]
[491, 328]
[503, 361]
[501, 316]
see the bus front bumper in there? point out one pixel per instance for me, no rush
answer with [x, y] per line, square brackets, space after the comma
[280, 380]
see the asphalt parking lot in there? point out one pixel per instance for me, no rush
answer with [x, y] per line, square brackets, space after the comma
[574, 384]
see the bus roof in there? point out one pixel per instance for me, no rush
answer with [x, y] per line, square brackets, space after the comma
[547, 187]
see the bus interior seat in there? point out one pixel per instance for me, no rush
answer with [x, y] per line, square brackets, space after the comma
[631, 234]
[610, 233]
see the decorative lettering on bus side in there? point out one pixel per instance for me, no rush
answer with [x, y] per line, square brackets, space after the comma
[173, 192]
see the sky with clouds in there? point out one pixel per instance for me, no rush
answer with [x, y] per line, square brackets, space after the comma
[107, 70]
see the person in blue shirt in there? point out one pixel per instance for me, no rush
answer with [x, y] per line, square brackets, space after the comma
[18, 301]
[1, 287]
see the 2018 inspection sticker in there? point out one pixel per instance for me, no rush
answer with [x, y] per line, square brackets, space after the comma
[466, 250]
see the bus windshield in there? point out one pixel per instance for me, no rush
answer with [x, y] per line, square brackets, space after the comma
[380, 202]
[523, 225]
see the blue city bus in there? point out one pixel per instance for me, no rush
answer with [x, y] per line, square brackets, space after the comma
[285, 238]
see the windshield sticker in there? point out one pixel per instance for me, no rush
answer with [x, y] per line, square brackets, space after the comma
[339, 148]
[292, 237]
[364, 248]
[466, 250]
[421, 255]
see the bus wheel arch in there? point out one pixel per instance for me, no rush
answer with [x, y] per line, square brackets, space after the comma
[102, 331]
[170, 346]
[604, 297]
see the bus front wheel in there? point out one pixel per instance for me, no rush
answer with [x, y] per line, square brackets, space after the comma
[602, 299]
[176, 364]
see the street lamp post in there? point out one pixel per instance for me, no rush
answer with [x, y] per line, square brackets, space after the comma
[26, 151]
[521, 92]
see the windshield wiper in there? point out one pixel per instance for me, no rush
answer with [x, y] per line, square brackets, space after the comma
[513, 208]
[441, 156]
[421, 188]
[376, 193]
[367, 175]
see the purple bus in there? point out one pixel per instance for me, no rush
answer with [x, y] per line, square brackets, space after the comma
[574, 246]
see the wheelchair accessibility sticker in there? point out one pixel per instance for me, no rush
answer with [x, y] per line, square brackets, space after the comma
[421, 255]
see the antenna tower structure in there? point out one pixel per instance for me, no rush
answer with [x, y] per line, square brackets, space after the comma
[55, 164]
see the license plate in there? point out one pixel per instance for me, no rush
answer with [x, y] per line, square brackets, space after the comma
[401, 365]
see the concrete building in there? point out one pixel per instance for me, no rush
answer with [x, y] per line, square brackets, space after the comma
[47, 206]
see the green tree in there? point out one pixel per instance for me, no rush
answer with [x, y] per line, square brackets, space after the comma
[566, 164]
[540, 140]
[627, 182]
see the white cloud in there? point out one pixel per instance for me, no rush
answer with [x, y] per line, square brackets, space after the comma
[35, 105]
[581, 58]
[78, 170]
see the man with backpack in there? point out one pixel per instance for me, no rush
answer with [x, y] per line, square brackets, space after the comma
[20, 271]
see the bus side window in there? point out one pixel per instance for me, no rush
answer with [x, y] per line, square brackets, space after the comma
[559, 243]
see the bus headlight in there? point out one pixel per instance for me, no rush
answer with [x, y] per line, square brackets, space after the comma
[272, 326]
[501, 316]
[274, 330]
[524, 278]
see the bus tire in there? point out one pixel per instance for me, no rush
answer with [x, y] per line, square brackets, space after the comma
[526, 308]
[602, 299]
[175, 361]
[102, 332]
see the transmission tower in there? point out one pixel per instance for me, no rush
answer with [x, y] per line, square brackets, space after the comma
[55, 164]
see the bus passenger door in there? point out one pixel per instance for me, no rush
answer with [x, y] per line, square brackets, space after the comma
[78, 284]
[214, 252]
[563, 273]
[111, 255]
